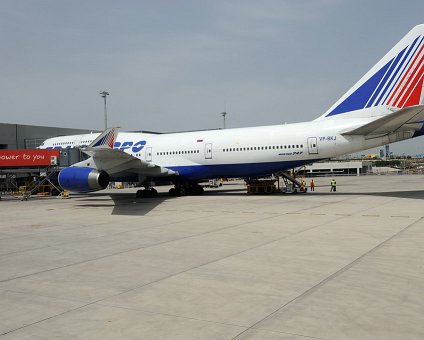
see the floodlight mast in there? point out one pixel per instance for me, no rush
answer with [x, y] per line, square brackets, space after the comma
[103, 94]
[223, 114]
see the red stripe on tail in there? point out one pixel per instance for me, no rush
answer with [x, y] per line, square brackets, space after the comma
[401, 87]
[412, 97]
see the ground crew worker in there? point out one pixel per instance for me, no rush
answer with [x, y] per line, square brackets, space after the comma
[302, 185]
[333, 185]
[312, 185]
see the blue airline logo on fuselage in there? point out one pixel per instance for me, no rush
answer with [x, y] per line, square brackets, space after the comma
[135, 147]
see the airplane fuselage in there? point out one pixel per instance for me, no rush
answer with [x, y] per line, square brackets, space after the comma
[241, 152]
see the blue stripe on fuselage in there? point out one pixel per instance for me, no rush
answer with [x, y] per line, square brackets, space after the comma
[419, 132]
[199, 172]
[204, 172]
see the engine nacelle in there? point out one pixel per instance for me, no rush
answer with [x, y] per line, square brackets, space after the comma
[83, 179]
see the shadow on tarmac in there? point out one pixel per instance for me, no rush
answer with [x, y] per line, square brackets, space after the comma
[394, 194]
[128, 204]
[122, 203]
[416, 194]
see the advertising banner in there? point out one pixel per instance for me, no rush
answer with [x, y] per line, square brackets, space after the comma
[28, 158]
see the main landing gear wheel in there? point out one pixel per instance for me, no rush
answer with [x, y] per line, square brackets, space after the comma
[146, 193]
[182, 190]
[196, 189]
[176, 192]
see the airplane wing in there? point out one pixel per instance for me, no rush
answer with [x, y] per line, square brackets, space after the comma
[408, 119]
[114, 161]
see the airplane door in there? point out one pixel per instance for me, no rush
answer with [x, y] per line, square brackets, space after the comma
[208, 151]
[148, 154]
[312, 145]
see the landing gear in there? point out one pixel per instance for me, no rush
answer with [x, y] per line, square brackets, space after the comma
[180, 189]
[183, 189]
[177, 191]
[146, 193]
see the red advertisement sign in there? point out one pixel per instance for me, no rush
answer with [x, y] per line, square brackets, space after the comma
[14, 158]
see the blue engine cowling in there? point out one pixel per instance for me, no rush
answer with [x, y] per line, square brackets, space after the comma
[83, 179]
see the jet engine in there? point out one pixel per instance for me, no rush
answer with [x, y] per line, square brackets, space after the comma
[79, 179]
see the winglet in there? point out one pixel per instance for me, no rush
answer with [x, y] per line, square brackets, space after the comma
[106, 139]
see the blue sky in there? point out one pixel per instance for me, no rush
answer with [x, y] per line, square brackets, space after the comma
[175, 65]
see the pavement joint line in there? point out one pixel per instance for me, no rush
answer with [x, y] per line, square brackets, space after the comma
[8, 290]
[52, 231]
[172, 315]
[288, 333]
[158, 280]
[97, 237]
[120, 307]
[132, 249]
[331, 277]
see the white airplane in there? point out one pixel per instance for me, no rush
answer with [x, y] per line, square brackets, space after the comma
[384, 106]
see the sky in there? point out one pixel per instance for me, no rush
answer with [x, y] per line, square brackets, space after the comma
[176, 65]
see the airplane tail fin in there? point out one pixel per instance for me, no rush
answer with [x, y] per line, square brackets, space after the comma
[106, 140]
[395, 82]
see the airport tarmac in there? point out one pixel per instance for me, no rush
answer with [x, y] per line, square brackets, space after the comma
[225, 265]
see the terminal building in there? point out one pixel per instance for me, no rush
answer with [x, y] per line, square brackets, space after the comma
[17, 136]
[15, 139]
[334, 168]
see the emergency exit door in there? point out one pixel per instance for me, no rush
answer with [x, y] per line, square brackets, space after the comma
[208, 151]
[312, 145]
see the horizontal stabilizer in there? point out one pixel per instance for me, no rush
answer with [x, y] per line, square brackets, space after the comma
[410, 118]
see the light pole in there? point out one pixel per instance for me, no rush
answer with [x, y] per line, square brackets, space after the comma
[104, 94]
[223, 114]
